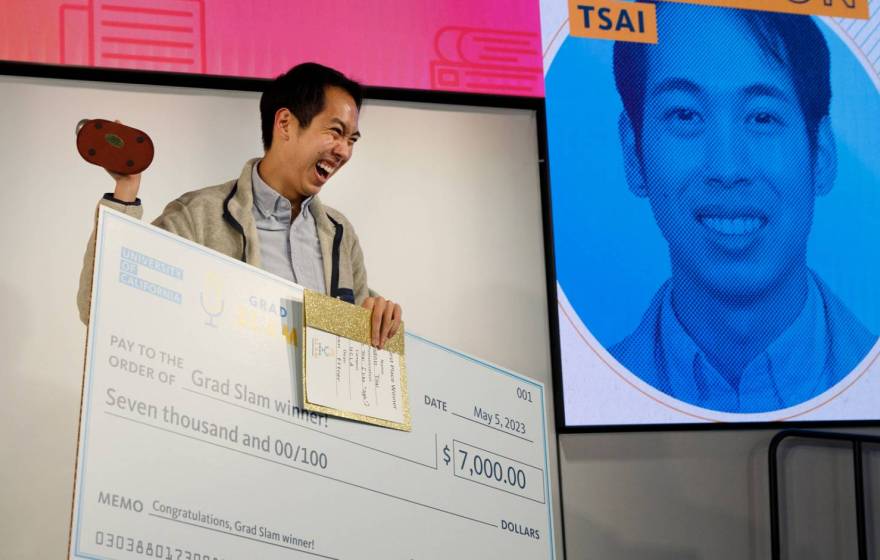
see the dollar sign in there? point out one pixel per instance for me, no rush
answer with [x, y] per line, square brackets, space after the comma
[446, 457]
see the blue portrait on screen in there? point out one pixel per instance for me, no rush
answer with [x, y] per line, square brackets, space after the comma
[726, 133]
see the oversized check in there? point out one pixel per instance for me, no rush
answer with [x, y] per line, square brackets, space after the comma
[193, 444]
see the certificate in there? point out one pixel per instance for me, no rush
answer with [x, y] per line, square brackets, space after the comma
[343, 374]
[193, 443]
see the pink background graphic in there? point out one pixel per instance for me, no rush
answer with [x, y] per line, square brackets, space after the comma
[479, 46]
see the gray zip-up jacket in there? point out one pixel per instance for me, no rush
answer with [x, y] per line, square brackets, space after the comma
[221, 218]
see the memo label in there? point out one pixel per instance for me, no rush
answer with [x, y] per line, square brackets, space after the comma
[616, 21]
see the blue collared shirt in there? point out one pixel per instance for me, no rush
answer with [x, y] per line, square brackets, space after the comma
[288, 248]
[790, 371]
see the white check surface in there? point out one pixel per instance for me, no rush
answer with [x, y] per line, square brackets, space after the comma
[192, 445]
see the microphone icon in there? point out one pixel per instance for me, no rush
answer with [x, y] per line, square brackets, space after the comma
[211, 300]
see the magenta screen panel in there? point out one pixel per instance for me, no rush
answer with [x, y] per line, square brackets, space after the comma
[478, 46]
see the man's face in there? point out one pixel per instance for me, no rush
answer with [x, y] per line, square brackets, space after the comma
[725, 157]
[313, 154]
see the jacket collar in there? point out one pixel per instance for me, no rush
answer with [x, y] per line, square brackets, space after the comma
[240, 205]
[326, 233]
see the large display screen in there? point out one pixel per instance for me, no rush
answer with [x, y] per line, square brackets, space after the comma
[715, 200]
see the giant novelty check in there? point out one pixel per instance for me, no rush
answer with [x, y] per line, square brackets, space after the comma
[193, 443]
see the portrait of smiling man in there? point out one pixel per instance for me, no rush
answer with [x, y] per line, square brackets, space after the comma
[726, 133]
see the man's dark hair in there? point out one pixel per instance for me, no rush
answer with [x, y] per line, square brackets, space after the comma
[794, 41]
[301, 90]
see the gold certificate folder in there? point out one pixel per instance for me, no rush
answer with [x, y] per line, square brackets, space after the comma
[351, 322]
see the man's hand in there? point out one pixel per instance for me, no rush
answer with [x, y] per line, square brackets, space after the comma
[127, 186]
[385, 319]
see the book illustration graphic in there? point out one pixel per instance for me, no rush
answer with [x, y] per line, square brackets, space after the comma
[487, 61]
[165, 35]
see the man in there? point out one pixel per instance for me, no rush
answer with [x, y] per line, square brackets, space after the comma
[726, 132]
[271, 216]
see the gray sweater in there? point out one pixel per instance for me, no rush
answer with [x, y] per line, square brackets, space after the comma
[221, 218]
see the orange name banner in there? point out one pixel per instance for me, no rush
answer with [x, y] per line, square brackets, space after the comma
[608, 19]
[856, 9]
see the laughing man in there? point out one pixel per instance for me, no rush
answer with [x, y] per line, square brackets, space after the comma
[270, 216]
